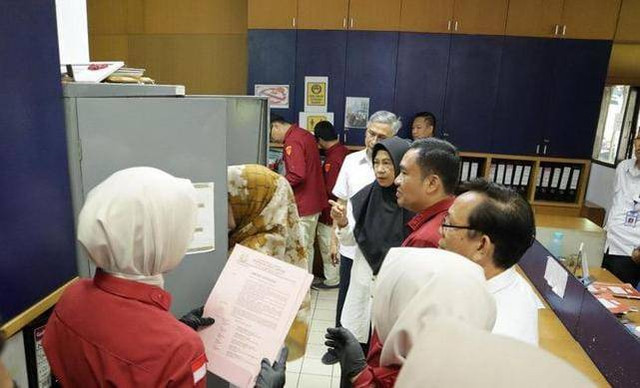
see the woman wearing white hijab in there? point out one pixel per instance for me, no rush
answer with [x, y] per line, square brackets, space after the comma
[116, 329]
[415, 287]
[489, 360]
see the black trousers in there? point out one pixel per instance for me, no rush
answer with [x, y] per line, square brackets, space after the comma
[345, 278]
[623, 267]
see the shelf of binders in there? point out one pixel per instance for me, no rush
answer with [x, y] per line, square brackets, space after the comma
[560, 182]
[555, 185]
[562, 192]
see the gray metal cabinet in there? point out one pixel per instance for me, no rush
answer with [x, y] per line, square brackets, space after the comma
[185, 136]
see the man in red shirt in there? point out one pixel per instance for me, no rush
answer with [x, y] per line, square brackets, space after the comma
[428, 178]
[335, 153]
[303, 171]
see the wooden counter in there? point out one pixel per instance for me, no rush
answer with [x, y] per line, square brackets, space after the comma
[556, 339]
[565, 222]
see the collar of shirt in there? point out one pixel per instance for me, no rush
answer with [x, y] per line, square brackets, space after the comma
[418, 220]
[363, 157]
[132, 290]
[632, 169]
[290, 131]
[333, 148]
[501, 280]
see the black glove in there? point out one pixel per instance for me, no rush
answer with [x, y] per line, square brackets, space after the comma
[195, 320]
[272, 376]
[348, 349]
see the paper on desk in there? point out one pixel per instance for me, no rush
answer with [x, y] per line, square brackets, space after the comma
[556, 276]
[254, 303]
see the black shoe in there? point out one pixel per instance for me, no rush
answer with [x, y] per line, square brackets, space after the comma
[323, 286]
[317, 282]
[329, 358]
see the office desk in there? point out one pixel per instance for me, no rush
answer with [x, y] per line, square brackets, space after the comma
[606, 341]
[556, 339]
[602, 275]
[576, 230]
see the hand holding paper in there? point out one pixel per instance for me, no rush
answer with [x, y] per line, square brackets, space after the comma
[254, 301]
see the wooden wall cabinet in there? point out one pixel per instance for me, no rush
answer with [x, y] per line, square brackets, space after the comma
[426, 16]
[487, 17]
[484, 17]
[540, 18]
[590, 19]
[629, 22]
[272, 14]
[374, 15]
[575, 19]
[323, 15]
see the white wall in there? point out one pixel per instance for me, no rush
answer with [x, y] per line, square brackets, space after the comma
[600, 187]
[73, 35]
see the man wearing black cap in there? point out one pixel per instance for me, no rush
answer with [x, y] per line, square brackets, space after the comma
[335, 153]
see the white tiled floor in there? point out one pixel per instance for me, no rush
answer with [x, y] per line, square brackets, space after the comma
[310, 372]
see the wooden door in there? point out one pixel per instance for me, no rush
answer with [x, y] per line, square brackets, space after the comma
[271, 14]
[371, 72]
[579, 73]
[426, 15]
[375, 15]
[323, 15]
[524, 95]
[472, 88]
[272, 61]
[629, 22]
[541, 18]
[323, 53]
[590, 19]
[482, 17]
[421, 78]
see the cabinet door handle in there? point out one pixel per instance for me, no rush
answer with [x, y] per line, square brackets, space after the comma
[351, 23]
[555, 31]
[544, 150]
[564, 30]
[537, 149]
[294, 22]
[344, 23]
[455, 26]
[449, 25]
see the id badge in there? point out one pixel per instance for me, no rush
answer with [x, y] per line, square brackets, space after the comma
[631, 218]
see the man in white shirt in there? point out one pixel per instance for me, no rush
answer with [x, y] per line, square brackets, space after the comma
[623, 222]
[493, 226]
[355, 174]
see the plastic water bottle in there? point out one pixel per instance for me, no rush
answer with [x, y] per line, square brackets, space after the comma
[556, 244]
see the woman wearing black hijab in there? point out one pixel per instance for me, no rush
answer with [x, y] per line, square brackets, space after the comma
[377, 224]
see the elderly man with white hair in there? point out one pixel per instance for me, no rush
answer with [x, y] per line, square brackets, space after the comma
[355, 174]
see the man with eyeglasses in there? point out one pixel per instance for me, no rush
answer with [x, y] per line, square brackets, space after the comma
[426, 184]
[494, 226]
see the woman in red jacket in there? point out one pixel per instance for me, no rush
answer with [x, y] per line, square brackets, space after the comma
[415, 287]
[116, 329]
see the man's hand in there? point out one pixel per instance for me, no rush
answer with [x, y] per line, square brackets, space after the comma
[635, 255]
[333, 246]
[339, 213]
[195, 320]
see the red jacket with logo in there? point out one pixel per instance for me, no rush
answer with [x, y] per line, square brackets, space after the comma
[304, 170]
[112, 332]
[332, 164]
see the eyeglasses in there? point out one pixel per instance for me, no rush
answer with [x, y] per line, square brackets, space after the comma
[446, 224]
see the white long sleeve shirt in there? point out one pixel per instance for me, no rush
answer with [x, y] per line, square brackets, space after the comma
[621, 238]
